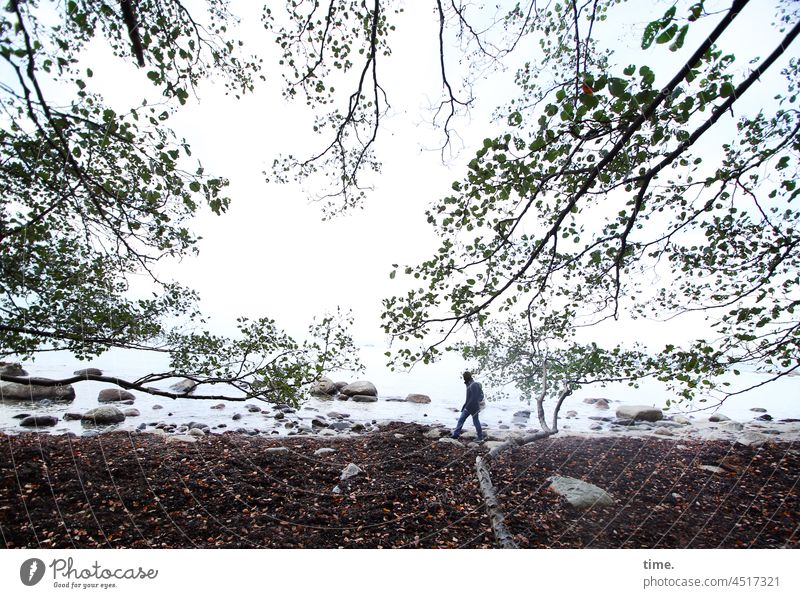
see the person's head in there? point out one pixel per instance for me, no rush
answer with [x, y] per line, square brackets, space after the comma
[467, 377]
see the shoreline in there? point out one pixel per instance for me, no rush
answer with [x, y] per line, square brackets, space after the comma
[755, 433]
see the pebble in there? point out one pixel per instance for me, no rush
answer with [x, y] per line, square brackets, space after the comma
[181, 438]
[350, 471]
[449, 440]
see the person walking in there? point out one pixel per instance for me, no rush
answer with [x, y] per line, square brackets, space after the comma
[472, 406]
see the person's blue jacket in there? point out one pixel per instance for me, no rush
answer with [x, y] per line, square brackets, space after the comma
[474, 397]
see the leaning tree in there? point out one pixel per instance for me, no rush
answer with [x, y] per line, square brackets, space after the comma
[93, 194]
[618, 191]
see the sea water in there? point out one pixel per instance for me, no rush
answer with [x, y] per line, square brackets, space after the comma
[441, 381]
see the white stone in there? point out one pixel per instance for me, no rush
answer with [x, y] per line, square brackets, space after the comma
[711, 468]
[181, 438]
[350, 471]
[580, 494]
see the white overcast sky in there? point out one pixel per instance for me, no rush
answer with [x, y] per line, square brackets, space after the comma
[271, 254]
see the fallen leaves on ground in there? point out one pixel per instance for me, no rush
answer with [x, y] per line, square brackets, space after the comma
[137, 490]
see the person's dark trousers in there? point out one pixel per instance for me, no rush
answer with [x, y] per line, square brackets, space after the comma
[462, 418]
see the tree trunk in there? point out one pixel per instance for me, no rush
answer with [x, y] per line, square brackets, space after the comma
[503, 537]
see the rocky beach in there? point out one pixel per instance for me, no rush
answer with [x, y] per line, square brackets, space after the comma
[401, 486]
[122, 470]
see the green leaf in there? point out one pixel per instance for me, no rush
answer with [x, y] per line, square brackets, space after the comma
[678, 43]
[726, 89]
[668, 34]
[617, 86]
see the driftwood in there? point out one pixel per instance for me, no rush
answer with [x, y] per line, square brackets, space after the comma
[483, 463]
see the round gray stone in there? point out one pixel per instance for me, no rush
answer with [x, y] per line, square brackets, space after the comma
[114, 395]
[39, 421]
[104, 415]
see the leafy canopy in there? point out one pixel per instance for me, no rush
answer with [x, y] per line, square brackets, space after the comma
[624, 190]
[92, 195]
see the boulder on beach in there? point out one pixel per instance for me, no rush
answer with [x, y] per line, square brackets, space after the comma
[753, 439]
[9, 368]
[104, 415]
[324, 386]
[364, 398]
[719, 417]
[640, 412]
[184, 386]
[580, 494]
[594, 401]
[39, 421]
[360, 387]
[731, 425]
[418, 398]
[114, 395]
[11, 391]
[88, 372]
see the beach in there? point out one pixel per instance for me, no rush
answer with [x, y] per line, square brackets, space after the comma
[412, 490]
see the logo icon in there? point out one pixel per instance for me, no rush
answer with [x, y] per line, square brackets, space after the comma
[31, 572]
